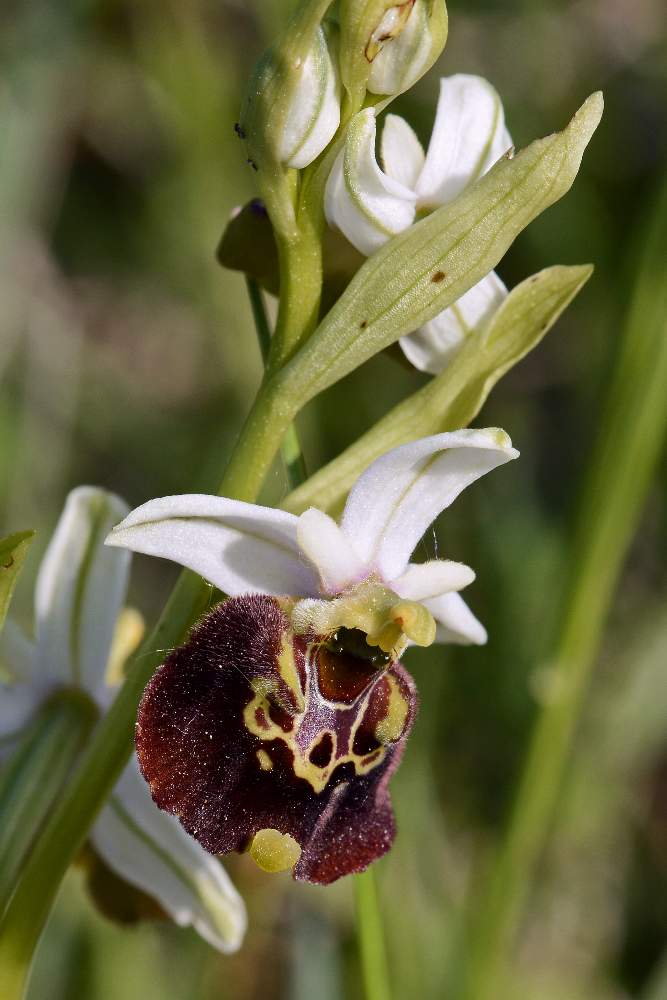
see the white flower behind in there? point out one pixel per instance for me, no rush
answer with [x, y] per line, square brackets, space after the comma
[369, 204]
[80, 591]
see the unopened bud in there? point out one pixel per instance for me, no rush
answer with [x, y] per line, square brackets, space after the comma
[313, 115]
[291, 109]
[387, 46]
[414, 36]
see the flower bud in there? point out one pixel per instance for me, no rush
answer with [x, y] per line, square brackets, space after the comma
[387, 46]
[291, 109]
[313, 115]
[409, 48]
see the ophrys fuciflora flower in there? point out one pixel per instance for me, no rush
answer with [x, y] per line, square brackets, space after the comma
[276, 727]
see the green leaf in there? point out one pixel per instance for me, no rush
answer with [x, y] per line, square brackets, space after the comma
[427, 268]
[13, 550]
[453, 398]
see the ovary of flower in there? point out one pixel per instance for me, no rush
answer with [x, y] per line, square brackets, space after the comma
[83, 636]
[355, 574]
[369, 205]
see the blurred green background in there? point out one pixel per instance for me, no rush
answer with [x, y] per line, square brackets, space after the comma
[128, 360]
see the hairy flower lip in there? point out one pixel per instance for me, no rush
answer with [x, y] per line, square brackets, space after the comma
[314, 775]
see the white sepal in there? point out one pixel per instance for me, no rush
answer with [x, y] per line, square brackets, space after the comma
[21, 692]
[314, 113]
[239, 547]
[431, 579]
[395, 500]
[432, 347]
[401, 151]
[80, 590]
[469, 136]
[455, 622]
[366, 204]
[150, 850]
[329, 550]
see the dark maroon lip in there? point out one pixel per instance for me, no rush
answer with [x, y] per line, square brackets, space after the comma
[247, 727]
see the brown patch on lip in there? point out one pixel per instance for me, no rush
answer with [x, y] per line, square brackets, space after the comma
[438, 277]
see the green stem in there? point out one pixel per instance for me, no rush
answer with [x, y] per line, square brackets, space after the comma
[301, 279]
[370, 936]
[633, 423]
[291, 446]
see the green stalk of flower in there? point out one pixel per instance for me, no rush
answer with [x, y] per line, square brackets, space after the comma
[371, 938]
[634, 424]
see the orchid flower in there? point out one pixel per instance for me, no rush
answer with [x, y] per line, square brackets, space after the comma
[369, 205]
[82, 637]
[277, 726]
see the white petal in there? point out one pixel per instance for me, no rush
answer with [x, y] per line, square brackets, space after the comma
[80, 590]
[469, 136]
[240, 547]
[367, 206]
[403, 60]
[395, 500]
[455, 622]
[402, 153]
[314, 113]
[18, 705]
[152, 851]
[20, 696]
[431, 579]
[432, 347]
[330, 551]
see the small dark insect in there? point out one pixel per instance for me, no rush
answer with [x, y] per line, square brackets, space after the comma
[363, 324]
[240, 131]
[438, 277]
[253, 164]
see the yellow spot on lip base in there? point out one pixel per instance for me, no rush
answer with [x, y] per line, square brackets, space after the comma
[265, 761]
[389, 729]
[274, 851]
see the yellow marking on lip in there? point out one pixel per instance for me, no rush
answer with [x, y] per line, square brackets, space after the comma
[303, 767]
[389, 729]
[265, 761]
[287, 670]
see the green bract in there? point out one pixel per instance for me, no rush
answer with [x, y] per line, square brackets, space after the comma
[453, 398]
[429, 266]
[13, 550]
